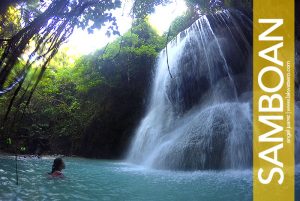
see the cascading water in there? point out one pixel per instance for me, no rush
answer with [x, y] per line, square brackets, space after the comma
[201, 118]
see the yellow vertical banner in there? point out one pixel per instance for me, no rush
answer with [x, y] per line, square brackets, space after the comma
[273, 100]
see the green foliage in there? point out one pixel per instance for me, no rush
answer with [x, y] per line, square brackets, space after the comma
[87, 74]
[196, 8]
[8, 141]
[10, 22]
[118, 58]
[142, 8]
[199, 3]
[239, 4]
[43, 27]
[136, 40]
[203, 5]
[182, 22]
[22, 149]
[71, 95]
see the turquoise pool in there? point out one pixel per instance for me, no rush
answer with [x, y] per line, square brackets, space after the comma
[118, 181]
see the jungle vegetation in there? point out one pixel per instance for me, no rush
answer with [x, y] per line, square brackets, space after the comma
[88, 105]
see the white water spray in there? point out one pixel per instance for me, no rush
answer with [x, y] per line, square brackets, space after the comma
[201, 118]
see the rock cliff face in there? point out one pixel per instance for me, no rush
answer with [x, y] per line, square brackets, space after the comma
[109, 132]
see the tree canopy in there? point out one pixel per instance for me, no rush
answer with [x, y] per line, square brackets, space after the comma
[42, 31]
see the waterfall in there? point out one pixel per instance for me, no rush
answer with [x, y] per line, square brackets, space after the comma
[202, 117]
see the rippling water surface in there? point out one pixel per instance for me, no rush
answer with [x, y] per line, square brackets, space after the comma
[117, 181]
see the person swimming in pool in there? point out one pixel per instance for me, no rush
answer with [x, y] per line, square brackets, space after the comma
[57, 167]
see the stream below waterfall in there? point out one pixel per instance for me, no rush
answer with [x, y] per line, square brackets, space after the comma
[118, 181]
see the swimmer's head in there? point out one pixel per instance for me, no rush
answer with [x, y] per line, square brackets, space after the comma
[58, 165]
